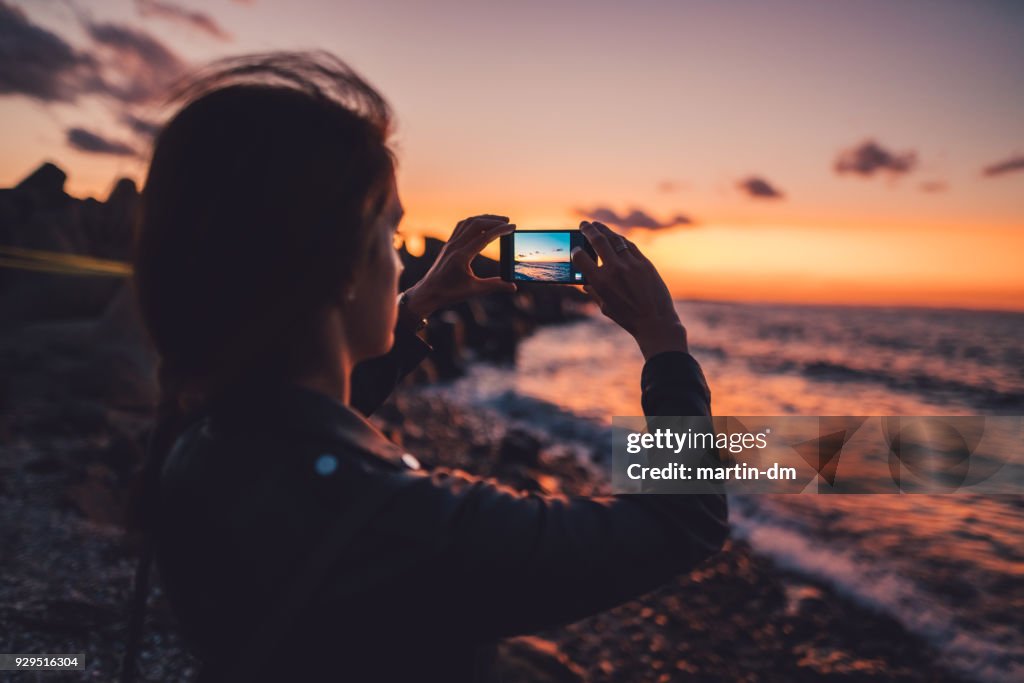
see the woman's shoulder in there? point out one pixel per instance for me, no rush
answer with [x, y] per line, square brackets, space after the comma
[224, 462]
[285, 441]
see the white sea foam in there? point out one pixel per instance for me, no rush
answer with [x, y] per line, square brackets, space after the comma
[881, 588]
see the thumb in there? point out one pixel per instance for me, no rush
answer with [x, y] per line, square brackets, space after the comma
[584, 263]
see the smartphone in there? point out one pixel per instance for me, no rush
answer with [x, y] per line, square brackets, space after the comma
[543, 256]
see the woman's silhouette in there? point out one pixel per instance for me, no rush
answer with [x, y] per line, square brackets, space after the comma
[293, 540]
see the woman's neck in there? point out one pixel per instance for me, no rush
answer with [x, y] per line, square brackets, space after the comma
[328, 364]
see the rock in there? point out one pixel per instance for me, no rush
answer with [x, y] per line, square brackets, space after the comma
[38, 215]
[446, 338]
[529, 659]
[96, 495]
[390, 413]
[45, 185]
[520, 448]
[517, 477]
[124, 192]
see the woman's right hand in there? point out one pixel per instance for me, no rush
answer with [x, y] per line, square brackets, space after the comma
[629, 290]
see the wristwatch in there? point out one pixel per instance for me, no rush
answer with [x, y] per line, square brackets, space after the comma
[406, 318]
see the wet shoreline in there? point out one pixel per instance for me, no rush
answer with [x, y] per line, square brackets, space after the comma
[736, 617]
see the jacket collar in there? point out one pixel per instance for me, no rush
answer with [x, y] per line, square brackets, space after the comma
[295, 409]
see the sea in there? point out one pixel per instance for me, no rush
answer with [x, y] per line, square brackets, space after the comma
[550, 272]
[949, 568]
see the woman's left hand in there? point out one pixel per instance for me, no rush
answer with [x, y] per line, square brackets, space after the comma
[451, 278]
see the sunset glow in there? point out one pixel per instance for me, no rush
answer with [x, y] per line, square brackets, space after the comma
[862, 152]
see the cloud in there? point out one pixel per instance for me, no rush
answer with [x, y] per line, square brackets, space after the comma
[123, 63]
[1003, 167]
[93, 143]
[198, 21]
[667, 186]
[869, 157]
[933, 186]
[636, 218]
[760, 188]
[138, 65]
[39, 64]
[140, 126]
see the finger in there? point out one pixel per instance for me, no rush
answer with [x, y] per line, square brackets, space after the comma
[609, 233]
[584, 263]
[589, 289]
[620, 244]
[476, 243]
[460, 227]
[469, 227]
[599, 242]
[478, 225]
[637, 254]
[634, 251]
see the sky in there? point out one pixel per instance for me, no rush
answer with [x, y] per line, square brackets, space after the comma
[542, 247]
[817, 152]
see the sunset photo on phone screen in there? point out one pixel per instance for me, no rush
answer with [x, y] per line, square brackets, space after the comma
[542, 256]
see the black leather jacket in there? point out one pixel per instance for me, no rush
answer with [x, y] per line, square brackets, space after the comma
[444, 569]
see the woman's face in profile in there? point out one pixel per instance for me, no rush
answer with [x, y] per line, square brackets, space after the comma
[371, 307]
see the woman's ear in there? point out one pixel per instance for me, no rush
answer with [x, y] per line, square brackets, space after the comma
[350, 289]
[348, 292]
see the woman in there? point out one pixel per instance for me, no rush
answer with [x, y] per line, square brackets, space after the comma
[293, 540]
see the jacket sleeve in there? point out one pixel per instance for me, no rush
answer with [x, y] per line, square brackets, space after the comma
[373, 380]
[673, 384]
[502, 562]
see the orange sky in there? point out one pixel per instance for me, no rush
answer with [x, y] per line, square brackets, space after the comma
[539, 109]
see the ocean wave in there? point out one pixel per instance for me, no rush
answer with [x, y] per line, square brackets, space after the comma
[555, 422]
[872, 584]
[546, 419]
[935, 388]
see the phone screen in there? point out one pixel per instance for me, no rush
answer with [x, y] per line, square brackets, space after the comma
[544, 256]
